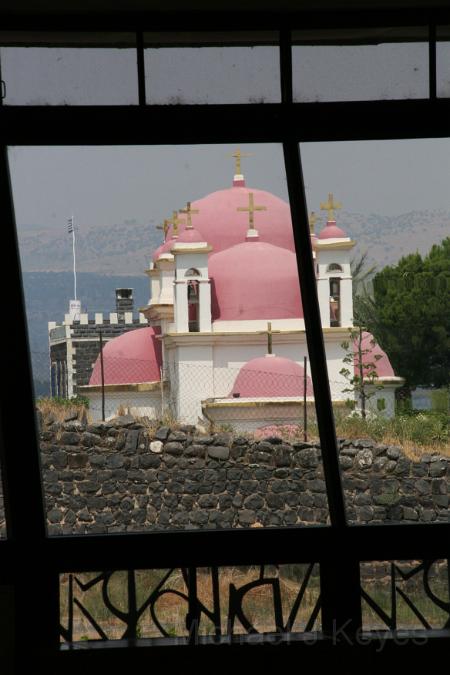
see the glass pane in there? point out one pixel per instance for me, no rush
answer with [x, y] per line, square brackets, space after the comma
[405, 595]
[355, 66]
[276, 601]
[69, 69]
[443, 61]
[382, 261]
[193, 415]
[211, 73]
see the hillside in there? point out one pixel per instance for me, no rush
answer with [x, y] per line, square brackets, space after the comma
[126, 249]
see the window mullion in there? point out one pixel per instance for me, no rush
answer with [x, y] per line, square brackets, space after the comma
[314, 334]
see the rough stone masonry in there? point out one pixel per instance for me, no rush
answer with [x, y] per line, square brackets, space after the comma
[121, 477]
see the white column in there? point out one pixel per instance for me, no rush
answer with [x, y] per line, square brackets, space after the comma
[167, 276]
[204, 299]
[181, 307]
[346, 302]
[323, 291]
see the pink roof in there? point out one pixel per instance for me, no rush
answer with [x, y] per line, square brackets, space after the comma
[164, 248]
[382, 366]
[223, 226]
[130, 358]
[189, 236]
[332, 231]
[271, 377]
[254, 280]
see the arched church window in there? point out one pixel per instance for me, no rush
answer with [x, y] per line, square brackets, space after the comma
[334, 267]
[193, 307]
[192, 272]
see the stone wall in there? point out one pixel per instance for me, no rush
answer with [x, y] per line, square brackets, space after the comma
[116, 477]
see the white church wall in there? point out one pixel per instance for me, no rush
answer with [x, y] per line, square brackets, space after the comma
[194, 380]
[139, 403]
[248, 415]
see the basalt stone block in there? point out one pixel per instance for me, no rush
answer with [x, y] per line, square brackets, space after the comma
[149, 461]
[115, 462]
[73, 426]
[88, 440]
[70, 517]
[70, 438]
[403, 467]
[254, 502]
[97, 460]
[198, 517]
[438, 468]
[290, 517]
[55, 516]
[393, 452]
[364, 459]
[178, 436]
[246, 517]
[59, 459]
[77, 461]
[223, 439]
[345, 462]
[87, 487]
[132, 440]
[218, 452]
[203, 440]
[84, 516]
[122, 421]
[174, 448]
[207, 502]
[308, 458]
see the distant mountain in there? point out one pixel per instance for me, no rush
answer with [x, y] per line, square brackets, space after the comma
[126, 249]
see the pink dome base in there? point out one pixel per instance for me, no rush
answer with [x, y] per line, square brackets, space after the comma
[382, 365]
[271, 377]
[131, 358]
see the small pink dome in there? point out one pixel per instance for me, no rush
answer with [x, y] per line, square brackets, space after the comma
[332, 231]
[381, 365]
[164, 248]
[271, 377]
[222, 225]
[130, 358]
[254, 280]
[189, 236]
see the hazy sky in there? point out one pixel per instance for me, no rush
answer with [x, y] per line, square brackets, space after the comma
[106, 185]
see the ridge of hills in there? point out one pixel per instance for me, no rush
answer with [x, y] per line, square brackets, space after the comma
[126, 249]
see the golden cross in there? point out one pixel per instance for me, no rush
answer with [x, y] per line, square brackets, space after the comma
[188, 211]
[237, 154]
[164, 227]
[313, 219]
[251, 208]
[175, 222]
[330, 206]
[269, 332]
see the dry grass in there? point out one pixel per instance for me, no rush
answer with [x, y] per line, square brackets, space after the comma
[58, 411]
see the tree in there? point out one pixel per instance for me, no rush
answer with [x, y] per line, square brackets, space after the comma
[362, 373]
[410, 316]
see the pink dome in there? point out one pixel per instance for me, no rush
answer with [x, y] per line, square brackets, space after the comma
[189, 236]
[223, 226]
[271, 377]
[332, 231]
[130, 358]
[382, 365]
[165, 248]
[254, 280]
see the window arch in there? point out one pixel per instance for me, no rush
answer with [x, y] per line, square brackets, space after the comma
[334, 267]
[192, 272]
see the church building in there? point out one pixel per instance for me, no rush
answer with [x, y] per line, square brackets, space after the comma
[226, 340]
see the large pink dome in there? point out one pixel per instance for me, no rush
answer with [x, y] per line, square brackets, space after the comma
[130, 358]
[254, 280]
[370, 354]
[223, 226]
[270, 377]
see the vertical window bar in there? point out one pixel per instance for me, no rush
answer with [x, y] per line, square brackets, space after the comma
[286, 66]
[140, 67]
[432, 60]
[314, 336]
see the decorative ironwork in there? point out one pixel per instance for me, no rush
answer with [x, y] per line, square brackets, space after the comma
[425, 574]
[190, 603]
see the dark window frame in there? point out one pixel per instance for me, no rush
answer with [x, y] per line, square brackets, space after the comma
[285, 123]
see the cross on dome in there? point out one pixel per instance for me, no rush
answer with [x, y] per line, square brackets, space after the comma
[330, 206]
[175, 222]
[313, 219]
[189, 211]
[269, 332]
[251, 208]
[164, 227]
[237, 154]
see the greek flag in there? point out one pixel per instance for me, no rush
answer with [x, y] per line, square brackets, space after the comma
[70, 224]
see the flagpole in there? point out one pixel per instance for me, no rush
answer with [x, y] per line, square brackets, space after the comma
[74, 260]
